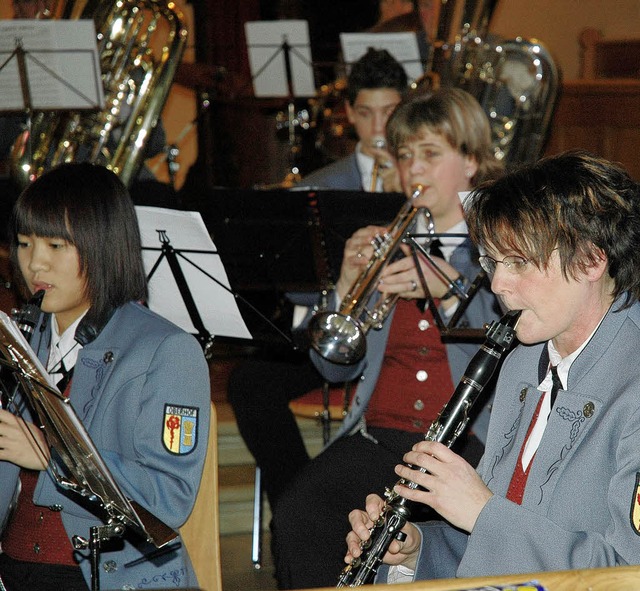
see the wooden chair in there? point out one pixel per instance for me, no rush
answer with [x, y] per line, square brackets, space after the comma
[201, 532]
[327, 404]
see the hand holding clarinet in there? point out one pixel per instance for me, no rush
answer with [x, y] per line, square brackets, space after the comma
[433, 475]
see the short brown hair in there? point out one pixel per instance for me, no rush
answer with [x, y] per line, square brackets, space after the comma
[453, 114]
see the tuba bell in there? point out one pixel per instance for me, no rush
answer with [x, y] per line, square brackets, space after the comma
[140, 43]
[515, 81]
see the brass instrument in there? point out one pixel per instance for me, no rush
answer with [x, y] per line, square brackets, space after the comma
[140, 43]
[340, 336]
[515, 81]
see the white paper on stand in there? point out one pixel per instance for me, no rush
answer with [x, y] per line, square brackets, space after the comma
[186, 232]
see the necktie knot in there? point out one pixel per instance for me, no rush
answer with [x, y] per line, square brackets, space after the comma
[556, 384]
[435, 248]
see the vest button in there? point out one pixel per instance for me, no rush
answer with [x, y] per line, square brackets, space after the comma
[422, 375]
[418, 405]
[417, 424]
[36, 548]
[423, 351]
[423, 324]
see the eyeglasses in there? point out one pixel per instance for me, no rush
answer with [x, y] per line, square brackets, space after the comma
[514, 264]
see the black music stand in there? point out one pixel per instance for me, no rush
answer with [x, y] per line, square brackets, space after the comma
[336, 225]
[280, 60]
[39, 71]
[183, 266]
[48, 65]
[86, 474]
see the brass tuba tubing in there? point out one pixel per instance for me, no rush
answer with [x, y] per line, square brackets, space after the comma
[340, 336]
[140, 43]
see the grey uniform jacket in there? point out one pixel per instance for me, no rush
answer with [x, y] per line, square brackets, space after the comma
[342, 174]
[482, 309]
[581, 507]
[139, 370]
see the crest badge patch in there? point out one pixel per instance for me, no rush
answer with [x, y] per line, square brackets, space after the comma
[180, 429]
[635, 506]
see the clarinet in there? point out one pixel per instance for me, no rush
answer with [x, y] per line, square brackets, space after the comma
[453, 418]
[27, 317]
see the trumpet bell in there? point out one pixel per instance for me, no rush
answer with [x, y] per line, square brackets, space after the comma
[338, 338]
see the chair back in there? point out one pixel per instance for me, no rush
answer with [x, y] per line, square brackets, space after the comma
[201, 532]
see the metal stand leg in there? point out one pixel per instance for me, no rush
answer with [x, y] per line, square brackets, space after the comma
[256, 544]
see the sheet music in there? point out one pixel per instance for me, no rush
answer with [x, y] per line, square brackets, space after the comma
[88, 474]
[186, 232]
[267, 59]
[62, 66]
[402, 46]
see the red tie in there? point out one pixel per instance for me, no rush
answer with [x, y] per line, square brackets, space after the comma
[520, 476]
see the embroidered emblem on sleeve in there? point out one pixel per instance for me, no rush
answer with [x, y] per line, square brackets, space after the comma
[180, 429]
[635, 506]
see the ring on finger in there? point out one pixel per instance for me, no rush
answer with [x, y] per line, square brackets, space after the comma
[359, 254]
[414, 285]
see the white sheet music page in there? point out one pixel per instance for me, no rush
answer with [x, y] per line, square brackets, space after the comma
[266, 46]
[402, 46]
[186, 232]
[62, 67]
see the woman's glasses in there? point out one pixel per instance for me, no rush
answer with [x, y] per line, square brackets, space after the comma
[513, 264]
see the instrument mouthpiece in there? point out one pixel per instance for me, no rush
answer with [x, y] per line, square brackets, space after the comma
[417, 191]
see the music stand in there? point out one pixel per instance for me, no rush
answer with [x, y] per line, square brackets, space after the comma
[188, 283]
[48, 65]
[85, 471]
[404, 47]
[281, 66]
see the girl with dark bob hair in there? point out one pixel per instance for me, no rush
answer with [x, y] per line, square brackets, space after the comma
[139, 384]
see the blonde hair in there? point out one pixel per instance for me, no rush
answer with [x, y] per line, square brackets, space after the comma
[453, 114]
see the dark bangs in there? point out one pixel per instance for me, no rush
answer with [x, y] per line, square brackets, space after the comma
[42, 215]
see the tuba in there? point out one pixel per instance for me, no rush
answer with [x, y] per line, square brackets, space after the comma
[140, 43]
[515, 81]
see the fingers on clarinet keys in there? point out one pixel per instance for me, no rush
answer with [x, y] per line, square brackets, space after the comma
[401, 536]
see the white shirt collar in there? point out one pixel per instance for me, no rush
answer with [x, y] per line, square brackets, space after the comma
[63, 346]
[563, 364]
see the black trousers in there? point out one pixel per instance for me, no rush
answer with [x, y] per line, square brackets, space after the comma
[259, 392]
[310, 521]
[32, 576]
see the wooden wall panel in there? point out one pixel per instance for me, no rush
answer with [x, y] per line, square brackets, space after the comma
[602, 116]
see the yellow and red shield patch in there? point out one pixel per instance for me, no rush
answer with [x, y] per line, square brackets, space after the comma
[180, 429]
[635, 506]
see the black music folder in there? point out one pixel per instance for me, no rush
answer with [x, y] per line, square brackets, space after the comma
[289, 240]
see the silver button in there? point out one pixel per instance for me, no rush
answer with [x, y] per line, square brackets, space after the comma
[422, 375]
[423, 324]
[36, 548]
[417, 424]
[418, 405]
[110, 566]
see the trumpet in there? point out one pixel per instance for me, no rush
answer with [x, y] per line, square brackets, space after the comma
[340, 336]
